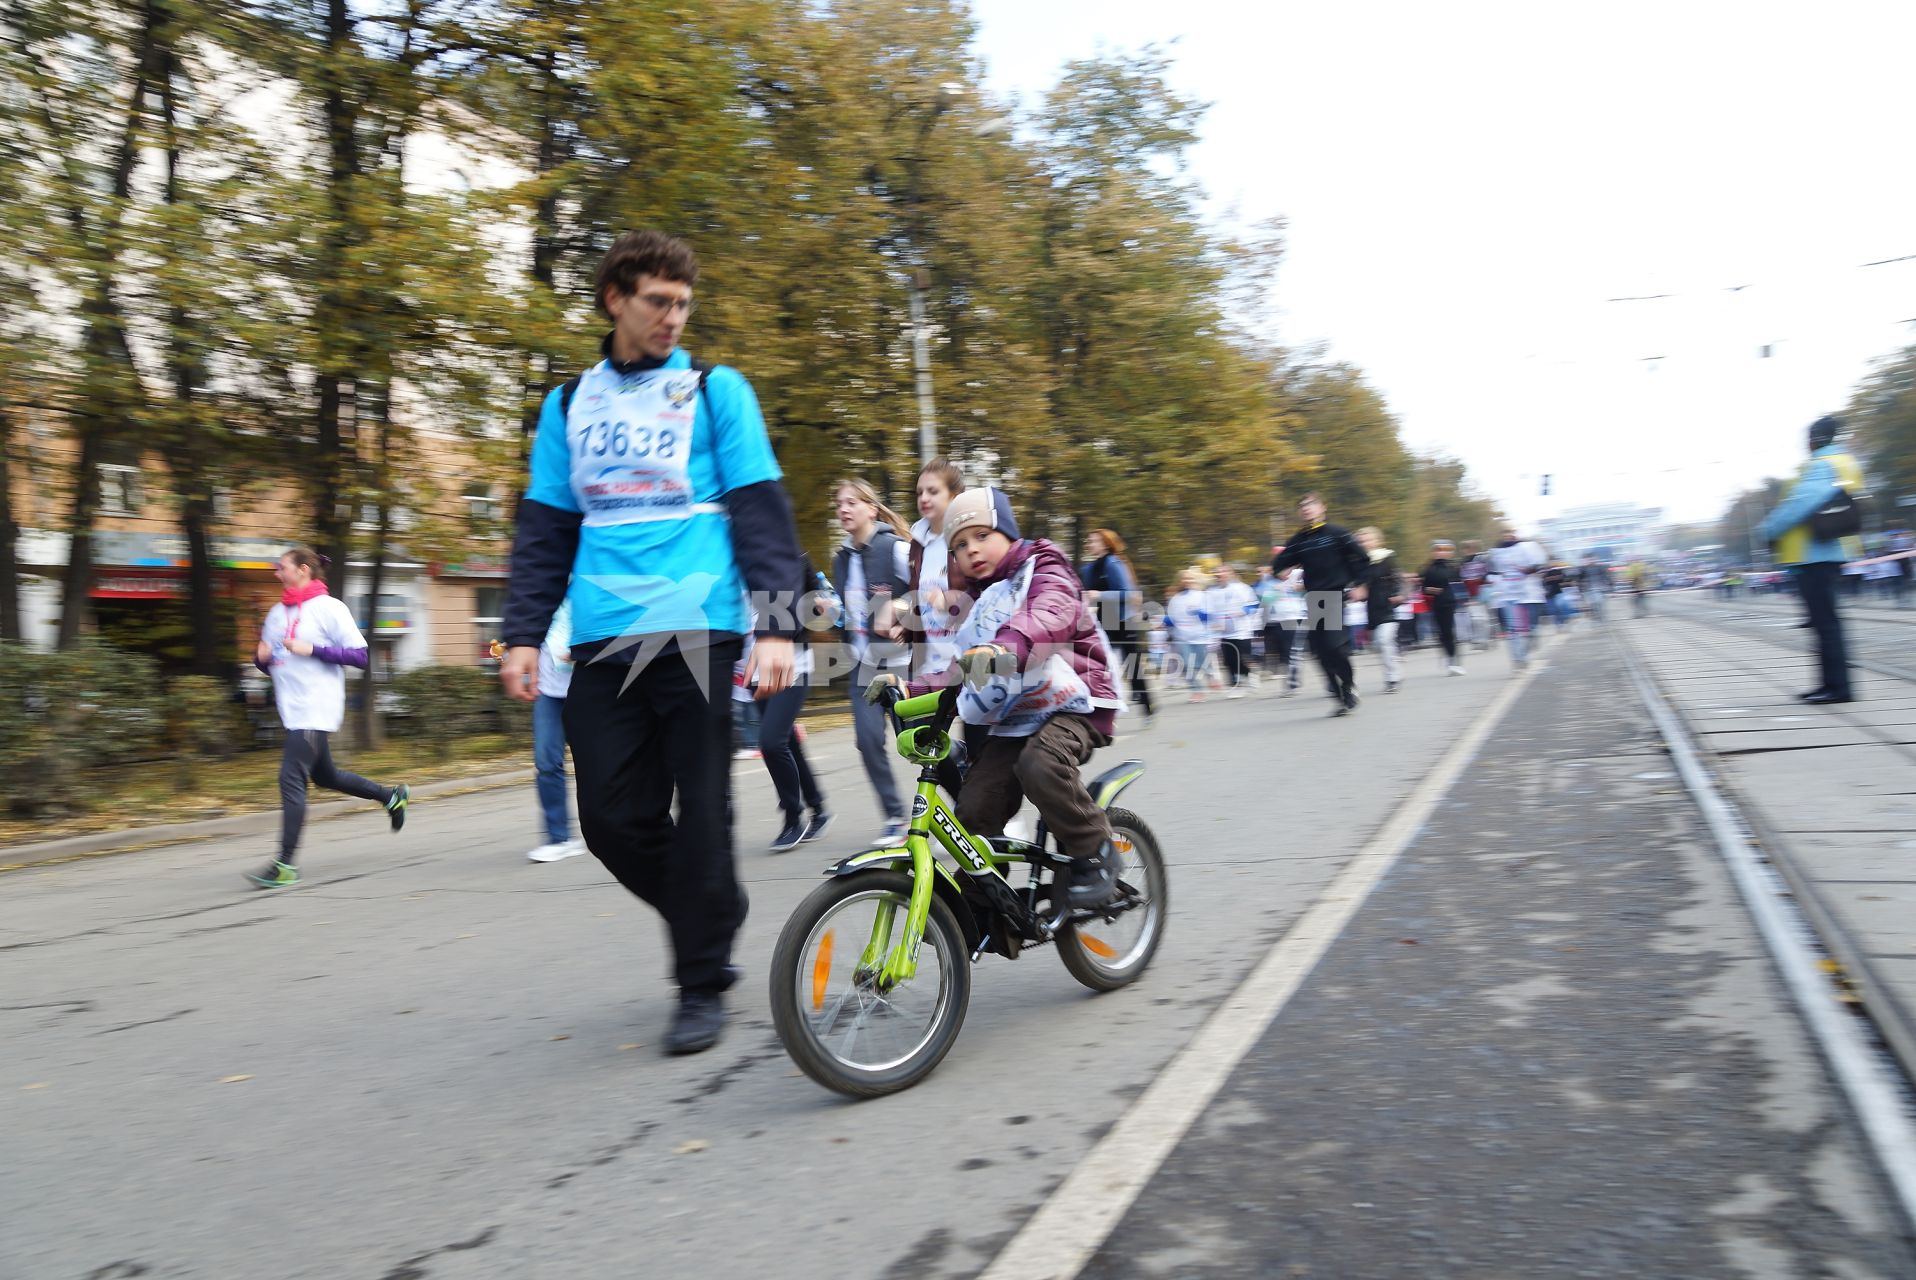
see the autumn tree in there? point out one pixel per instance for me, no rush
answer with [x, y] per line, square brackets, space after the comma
[1882, 420]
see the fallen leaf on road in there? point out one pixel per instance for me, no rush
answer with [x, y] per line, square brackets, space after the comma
[468, 935]
[562, 1037]
[624, 1047]
[40, 1085]
[233, 1079]
[1409, 942]
[690, 1147]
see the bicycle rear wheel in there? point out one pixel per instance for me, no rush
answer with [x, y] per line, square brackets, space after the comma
[836, 1020]
[1107, 954]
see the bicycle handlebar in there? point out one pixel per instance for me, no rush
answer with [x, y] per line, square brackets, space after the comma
[940, 706]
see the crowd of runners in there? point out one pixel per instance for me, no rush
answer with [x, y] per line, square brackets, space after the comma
[657, 566]
[1347, 592]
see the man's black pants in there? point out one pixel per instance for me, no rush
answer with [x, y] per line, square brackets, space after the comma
[1237, 660]
[1332, 646]
[1277, 647]
[631, 752]
[1818, 584]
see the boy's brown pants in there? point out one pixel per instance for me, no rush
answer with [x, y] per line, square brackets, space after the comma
[1044, 767]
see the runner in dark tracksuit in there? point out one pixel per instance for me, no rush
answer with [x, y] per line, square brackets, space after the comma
[1332, 563]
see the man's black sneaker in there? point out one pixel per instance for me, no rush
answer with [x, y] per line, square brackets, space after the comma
[816, 827]
[1094, 880]
[1826, 698]
[790, 834]
[396, 805]
[697, 1024]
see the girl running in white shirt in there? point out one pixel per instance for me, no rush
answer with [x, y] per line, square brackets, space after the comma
[307, 643]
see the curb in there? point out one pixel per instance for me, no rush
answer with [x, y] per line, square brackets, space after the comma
[1856, 977]
[1861, 1054]
[104, 844]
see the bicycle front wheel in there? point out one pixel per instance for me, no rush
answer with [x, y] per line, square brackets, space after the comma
[841, 1024]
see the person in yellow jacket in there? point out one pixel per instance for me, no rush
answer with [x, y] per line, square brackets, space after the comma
[1817, 563]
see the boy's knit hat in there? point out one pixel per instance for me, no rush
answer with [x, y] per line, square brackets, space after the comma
[972, 509]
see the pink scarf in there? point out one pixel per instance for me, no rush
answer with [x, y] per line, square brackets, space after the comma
[300, 595]
[295, 597]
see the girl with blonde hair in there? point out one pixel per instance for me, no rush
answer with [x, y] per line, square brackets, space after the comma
[871, 571]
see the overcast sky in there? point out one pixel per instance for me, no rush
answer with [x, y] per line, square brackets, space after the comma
[1466, 184]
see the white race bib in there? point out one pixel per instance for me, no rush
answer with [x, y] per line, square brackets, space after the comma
[1016, 706]
[630, 437]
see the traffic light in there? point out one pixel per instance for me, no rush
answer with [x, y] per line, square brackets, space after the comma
[1546, 486]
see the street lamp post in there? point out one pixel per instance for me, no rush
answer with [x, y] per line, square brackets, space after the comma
[921, 362]
[917, 280]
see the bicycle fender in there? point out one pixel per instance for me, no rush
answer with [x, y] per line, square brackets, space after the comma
[888, 857]
[944, 884]
[1109, 785]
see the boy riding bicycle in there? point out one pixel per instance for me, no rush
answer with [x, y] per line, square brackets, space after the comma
[1038, 673]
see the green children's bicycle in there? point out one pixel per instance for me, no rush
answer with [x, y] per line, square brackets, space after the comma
[872, 974]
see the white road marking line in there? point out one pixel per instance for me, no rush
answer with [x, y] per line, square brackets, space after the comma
[1061, 1237]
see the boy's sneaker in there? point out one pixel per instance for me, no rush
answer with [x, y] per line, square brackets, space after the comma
[396, 805]
[816, 827]
[276, 875]
[1094, 880]
[790, 835]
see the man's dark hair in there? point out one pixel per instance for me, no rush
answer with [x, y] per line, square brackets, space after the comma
[1312, 496]
[1824, 430]
[643, 253]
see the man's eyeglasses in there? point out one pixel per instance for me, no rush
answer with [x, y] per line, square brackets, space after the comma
[666, 302]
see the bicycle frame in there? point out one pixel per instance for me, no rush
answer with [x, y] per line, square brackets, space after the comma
[932, 823]
[895, 958]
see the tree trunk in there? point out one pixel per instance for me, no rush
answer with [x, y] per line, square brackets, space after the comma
[340, 111]
[109, 397]
[9, 536]
[552, 152]
[76, 578]
[332, 513]
[209, 658]
[370, 724]
[186, 457]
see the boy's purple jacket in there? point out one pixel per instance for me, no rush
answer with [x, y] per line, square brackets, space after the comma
[1054, 620]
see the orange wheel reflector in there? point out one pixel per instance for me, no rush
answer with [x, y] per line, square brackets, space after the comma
[1097, 946]
[1121, 843]
[821, 970]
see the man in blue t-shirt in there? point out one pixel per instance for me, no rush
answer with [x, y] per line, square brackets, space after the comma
[656, 496]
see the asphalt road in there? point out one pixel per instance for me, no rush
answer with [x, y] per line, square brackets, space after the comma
[1550, 1045]
[435, 1059]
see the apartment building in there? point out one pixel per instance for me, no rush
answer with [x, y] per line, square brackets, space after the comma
[431, 610]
